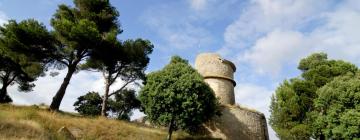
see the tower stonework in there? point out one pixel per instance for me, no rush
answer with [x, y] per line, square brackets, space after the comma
[219, 74]
[236, 122]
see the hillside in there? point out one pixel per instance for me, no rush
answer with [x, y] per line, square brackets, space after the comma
[32, 122]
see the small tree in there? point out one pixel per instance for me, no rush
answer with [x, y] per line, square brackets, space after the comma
[123, 104]
[177, 97]
[120, 107]
[25, 50]
[89, 104]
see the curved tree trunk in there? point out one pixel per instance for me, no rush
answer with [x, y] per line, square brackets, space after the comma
[106, 96]
[55, 104]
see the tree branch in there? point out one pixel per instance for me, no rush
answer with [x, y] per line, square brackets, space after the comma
[120, 89]
[11, 80]
[116, 76]
[63, 62]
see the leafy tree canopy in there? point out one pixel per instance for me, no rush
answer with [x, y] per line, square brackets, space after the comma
[319, 70]
[293, 101]
[120, 107]
[89, 104]
[120, 60]
[123, 104]
[178, 97]
[81, 30]
[337, 109]
[26, 49]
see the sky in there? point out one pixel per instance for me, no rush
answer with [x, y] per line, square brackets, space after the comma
[264, 38]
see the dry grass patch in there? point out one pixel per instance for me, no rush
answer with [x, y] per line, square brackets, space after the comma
[31, 122]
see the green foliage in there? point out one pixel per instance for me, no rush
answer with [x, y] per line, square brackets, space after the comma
[317, 69]
[177, 97]
[89, 104]
[26, 48]
[81, 31]
[126, 60]
[120, 107]
[84, 28]
[123, 104]
[337, 109]
[293, 102]
[288, 109]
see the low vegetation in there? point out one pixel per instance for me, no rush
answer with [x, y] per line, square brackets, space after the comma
[21, 122]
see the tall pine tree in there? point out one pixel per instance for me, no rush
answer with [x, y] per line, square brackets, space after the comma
[81, 30]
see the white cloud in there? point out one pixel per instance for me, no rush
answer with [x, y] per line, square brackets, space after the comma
[263, 16]
[3, 18]
[271, 52]
[198, 4]
[184, 28]
[275, 38]
[253, 96]
[272, 36]
[46, 87]
[339, 36]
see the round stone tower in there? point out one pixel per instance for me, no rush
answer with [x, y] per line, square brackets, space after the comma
[236, 122]
[219, 74]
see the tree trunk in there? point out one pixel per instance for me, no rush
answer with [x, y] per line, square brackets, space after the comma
[55, 104]
[106, 96]
[170, 129]
[3, 94]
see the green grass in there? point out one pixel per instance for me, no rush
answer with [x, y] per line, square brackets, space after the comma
[31, 122]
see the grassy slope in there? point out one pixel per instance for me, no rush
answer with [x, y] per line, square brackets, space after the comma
[30, 122]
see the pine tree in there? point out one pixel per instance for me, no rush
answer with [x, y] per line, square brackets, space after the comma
[126, 61]
[293, 102]
[81, 30]
[26, 51]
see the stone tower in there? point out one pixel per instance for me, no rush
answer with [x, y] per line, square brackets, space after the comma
[236, 122]
[219, 74]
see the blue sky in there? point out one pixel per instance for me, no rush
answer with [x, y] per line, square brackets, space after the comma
[264, 38]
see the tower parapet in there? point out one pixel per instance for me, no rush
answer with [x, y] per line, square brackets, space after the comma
[219, 74]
